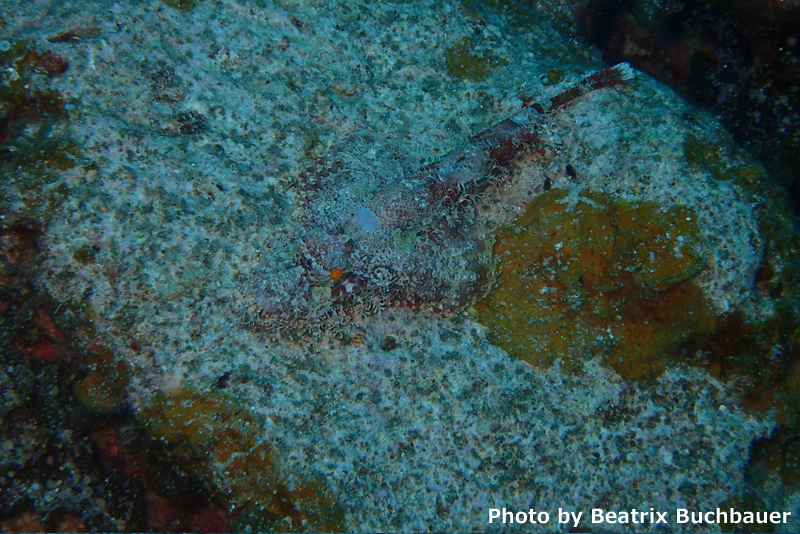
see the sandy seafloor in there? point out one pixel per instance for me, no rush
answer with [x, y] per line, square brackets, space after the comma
[430, 435]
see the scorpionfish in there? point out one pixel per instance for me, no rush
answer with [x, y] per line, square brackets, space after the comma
[376, 239]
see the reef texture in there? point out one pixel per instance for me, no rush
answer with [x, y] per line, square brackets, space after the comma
[373, 238]
[585, 274]
[167, 182]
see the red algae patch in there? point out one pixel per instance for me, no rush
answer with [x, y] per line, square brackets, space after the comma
[579, 276]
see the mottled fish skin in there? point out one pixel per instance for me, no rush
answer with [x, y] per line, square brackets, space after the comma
[370, 241]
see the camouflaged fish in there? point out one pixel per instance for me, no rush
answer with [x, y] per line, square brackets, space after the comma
[371, 240]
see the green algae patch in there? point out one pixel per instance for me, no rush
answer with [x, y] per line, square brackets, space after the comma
[714, 158]
[466, 62]
[552, 77]
[711, 157]
[211, 436]
[598, 275]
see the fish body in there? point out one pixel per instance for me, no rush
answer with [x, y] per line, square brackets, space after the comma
[371, 240]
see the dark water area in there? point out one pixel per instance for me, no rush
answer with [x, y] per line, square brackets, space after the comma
[740, 59]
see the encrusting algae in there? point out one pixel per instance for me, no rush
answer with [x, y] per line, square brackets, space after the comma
[221, 441]
[590, 274]
[102, 391]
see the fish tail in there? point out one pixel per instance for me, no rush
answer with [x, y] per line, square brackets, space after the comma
[605, 78]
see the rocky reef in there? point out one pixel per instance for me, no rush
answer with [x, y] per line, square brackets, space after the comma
[170, 254]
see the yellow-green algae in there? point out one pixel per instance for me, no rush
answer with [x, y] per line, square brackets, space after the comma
[223, 445]
[713, 157]
[552, 77]
[465, 61]
[598, 276]
[102, 391]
